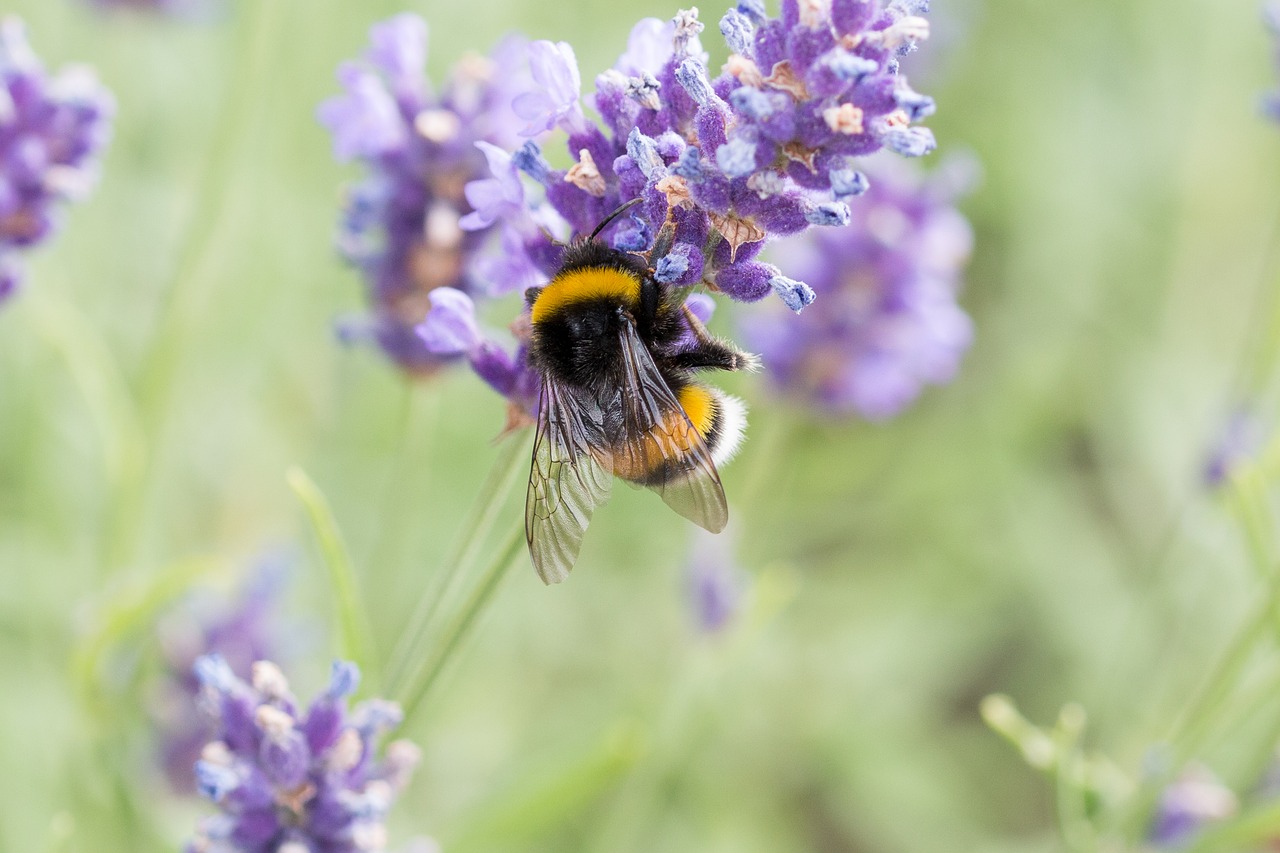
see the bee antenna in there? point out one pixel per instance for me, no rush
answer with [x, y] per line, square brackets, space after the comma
[612, 216]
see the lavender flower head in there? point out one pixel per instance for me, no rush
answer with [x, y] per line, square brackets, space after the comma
[401, 225]
[292, 780]
[241, 631]
[1192, 800]
[1239, 442]
[1271, 18]
[767, 148]
[889, 322]
[53, 128]
[176, 8]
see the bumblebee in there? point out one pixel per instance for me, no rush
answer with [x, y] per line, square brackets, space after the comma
[617, 351]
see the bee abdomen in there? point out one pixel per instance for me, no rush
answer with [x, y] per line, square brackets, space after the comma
[665, 453]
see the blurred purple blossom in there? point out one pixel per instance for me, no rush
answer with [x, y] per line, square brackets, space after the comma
[403, 224]
[192, 9]
[242, 629]
[888, 322]
[1192, 800]
[716, 585]
[1271, 18]
[295, 780]
[53, 129]
[1241, 438]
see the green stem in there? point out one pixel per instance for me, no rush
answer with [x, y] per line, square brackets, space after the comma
[355, 628]
[1196, 724]
[418, 421]
[512, 459]
[420, 682]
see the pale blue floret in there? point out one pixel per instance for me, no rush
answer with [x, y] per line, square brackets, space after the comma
[848, 182]
[670, 267]
[214, 781]
[794, 294]
[831, 213]
[917, 106]
[849, 67]
[758, 105]
[910, 141]
[738, 31]
[737, 157]
[753, 9]
[644, 152]
[693, 77]
[528, 159]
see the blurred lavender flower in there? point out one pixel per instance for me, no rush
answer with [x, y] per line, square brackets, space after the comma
[715, 582]
[402, 224]
[176, 8]
[288, 780]
[1194, 799]
[889, 321]
[1271, 18]
[1243, 435]
[53, 128]
[240, 631]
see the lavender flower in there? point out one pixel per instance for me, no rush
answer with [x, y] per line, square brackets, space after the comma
[176, 8]
[715, 583]
[402, 224]
[887, 286]
[1243, 435]
[766, 149]
[240, 631]
[53, 128]
[1271, 18]
[292, 780]
[1194, 799]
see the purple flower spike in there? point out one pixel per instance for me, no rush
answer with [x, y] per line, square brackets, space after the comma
[1243, 435]
[414, 224]
[886, 320]
[53, 129]
[301, 781]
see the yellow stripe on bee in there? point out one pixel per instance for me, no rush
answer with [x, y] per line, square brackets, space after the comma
[699, 405]
[584, 284]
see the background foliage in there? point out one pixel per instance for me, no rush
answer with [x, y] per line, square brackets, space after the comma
[1038, 528]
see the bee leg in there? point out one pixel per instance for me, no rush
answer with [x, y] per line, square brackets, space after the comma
[711, 352]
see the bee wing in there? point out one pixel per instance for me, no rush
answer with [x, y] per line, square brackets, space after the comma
[566, 481]
[656, 428]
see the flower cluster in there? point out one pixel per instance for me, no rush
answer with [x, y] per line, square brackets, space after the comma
[1238, 443]
[53, 128]
[718, 167]
[402, 225]
[294, 781]
[767, 148]
[716, 584]
[240, 631]
[889, 322]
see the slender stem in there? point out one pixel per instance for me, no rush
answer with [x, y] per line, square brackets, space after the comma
[420, 683]
[356, 629]
[419, 418]
[476, 529]
[1196, 723]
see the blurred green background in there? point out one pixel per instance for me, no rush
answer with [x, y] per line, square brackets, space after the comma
[1038, 528]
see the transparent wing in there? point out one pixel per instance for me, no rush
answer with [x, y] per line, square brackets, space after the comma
[658, 437]
[566, 481]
